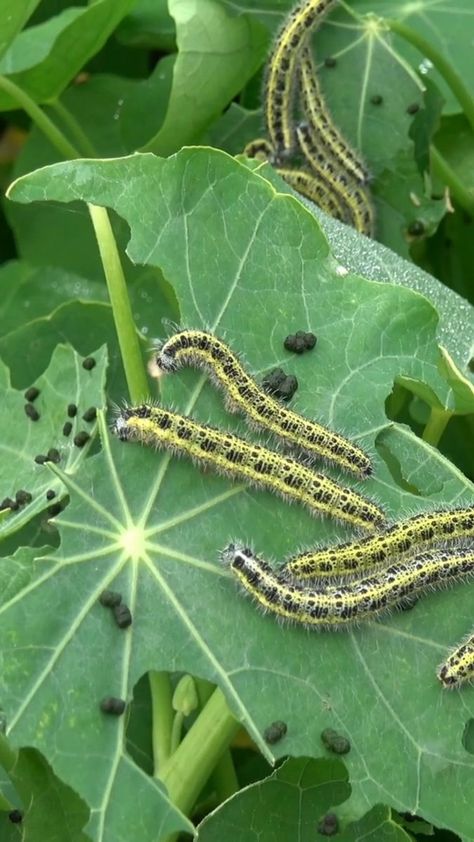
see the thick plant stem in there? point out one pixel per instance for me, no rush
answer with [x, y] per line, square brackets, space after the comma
[445, 173]
[447, 71]
[436, 425]
[190, 766]
[54, 135]
[162, 715]
[123, 317]
[223, 778]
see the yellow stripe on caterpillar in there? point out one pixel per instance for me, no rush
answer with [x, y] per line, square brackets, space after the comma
[357, 198]
[315, 187]
[399, 540]
[458, 667]
[203, 350]
[238, 459]
[280, 81]
[339, 605]
[326, 136]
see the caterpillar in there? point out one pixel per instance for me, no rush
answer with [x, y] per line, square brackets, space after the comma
[200, 349]
[313, 186]
[357, 199]
[339, 605]
[459, 665]
[326, 136]
[281, 72]
[238, 459]
[399, 540]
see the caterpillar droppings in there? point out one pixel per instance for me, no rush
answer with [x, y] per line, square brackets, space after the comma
[236, 458]
[203, 350]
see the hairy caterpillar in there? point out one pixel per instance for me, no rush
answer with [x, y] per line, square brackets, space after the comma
[357, 199]
[200, 349]
[326, 136]
[333, 605]
[401, 539]
[459, 665]
[238, 459]
[281, 72]
[312, 185]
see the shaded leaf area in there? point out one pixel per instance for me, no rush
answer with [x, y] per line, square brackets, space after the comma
[15, 15]
[375, 261]
[371, 91]
[294, 802]
[44, 58]
[50, 809]
[227, 242]
[218, 52]
[64, 382]
[43, 306]
[149, 24]
[455, 140]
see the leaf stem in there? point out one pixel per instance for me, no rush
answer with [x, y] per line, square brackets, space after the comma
[447, 71]
[436, 425]
[54, 135]
[186, 772]
[162, 718]
[123, 317]
[442, 169]
[223, 778]
[84, 144]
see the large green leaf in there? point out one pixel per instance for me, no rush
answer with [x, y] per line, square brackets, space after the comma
[291, 804]
[218, 53]
[43, 59]
[15, 13]
[251, 263]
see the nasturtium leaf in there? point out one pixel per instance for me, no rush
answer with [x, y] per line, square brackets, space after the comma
[287, 805]
[251, 263]
[15, 13]
[64, 382]
[218, 52]
[44, 58]
[50, 810]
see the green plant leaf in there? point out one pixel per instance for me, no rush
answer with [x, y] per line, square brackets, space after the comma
[51, 810]
[217, 53]
[149, 24]
[43, 59]
[253, 264]
[15, 13]
[65, 382]
[300, 792]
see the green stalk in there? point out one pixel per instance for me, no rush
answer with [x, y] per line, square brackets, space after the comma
[123, 317]
[124, 324]
[192, 763]
[436, 425]
[446, 174]
[54, 135]
[162, 718]
[446, 70]
[223, 778]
